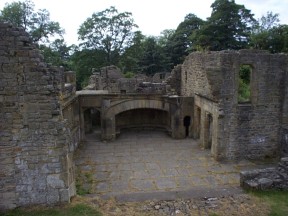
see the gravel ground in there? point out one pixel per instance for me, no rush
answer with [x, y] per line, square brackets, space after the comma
[233, 205]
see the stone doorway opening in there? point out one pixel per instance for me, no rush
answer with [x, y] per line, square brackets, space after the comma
[187, 123]
[92, 122]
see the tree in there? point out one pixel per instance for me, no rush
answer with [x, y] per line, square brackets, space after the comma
[228, 27]
[152, 60]
[277, 40]
[268, 34]
[82, 63]
[165, 37]
[108, 31]
[37, 24]
[57, 53]
[266, 23]
[179, 44]
[130, 59]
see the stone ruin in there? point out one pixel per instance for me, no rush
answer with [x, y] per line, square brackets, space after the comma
[36, 141]
[264, 179]
[111, 78]
[43, 117]
[233, 130]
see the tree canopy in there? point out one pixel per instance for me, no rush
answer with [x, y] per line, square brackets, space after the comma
[109, 31]
[179, 44]
[228, 27]
[38, 24]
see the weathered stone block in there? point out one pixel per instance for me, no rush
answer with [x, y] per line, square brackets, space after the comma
[55, 181]
[52, 196]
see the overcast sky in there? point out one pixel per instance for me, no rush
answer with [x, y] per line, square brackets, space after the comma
[152, 16]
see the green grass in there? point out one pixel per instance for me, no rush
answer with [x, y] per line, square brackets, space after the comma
[243, 92]
[278, 201]
[76, 210]
[84, 178]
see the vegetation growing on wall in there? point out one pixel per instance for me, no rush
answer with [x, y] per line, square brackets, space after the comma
[244, 89]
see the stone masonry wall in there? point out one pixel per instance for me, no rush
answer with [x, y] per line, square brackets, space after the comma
[284, 132]
[251, 130]
[174, 80]
[35, 162]
[264, 179]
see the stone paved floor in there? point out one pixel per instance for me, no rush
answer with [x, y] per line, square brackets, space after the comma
[150, 162]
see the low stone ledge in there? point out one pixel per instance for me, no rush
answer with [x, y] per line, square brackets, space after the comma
[268, 178]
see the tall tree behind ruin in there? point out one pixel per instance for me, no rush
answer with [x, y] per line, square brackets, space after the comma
[36, 23]
[228, 27]
[109, 31]
[179, 44]
[44, 32]
[268, 34]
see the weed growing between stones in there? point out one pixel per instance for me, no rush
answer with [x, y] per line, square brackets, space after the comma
[84, 183]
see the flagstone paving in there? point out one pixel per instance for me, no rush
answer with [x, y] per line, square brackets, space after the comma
[151, 162]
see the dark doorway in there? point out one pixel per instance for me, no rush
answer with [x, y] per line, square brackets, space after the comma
[210, 130]
[96, 119]
[87, 121]
[187, 123]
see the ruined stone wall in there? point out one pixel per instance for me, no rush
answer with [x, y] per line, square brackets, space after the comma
[160, 77]
[201, 75]
[35, 141]
[174, 80]
[251, 130]
[284, 132]
[265, 179]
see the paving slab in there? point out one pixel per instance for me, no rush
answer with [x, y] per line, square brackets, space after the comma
[147, 164]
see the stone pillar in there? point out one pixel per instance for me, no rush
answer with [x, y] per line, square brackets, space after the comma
[214, 144]
[82, 124]
[202, 129]
[108, 128]
[208, 130]
[197, 123]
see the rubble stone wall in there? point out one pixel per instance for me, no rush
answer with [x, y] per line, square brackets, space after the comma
[36, 158]
[264, 179]
[251, 130]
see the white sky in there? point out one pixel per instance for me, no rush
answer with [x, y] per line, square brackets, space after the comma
[152, 16]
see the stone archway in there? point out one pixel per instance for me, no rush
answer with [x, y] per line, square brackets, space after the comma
[109, 125]
[143, 118]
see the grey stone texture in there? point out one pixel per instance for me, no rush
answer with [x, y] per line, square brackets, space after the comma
[174, 80]
[231, 129]
[144, 164]
[36, 142]
[264, 179]
[110, 78]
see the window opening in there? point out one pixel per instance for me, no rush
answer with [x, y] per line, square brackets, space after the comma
[244, 87]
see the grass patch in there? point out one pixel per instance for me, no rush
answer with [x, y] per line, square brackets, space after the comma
[84, 182]
[278, 201]
[70, 210]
